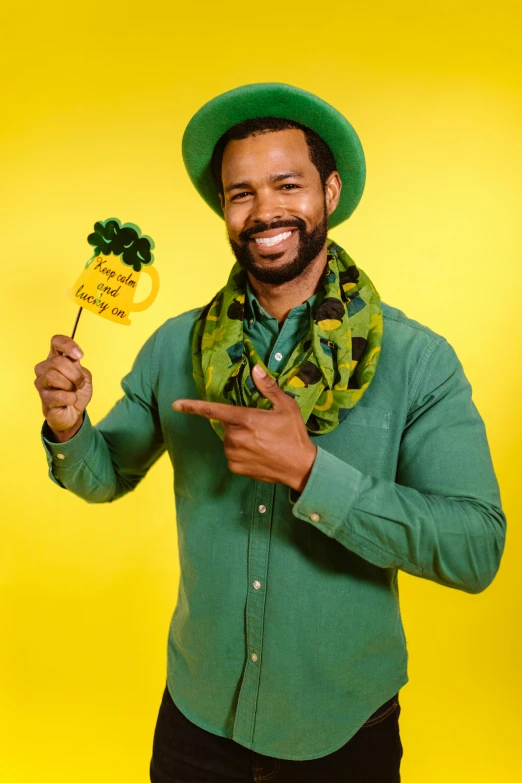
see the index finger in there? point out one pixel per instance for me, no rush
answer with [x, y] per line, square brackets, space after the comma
[62, 344]
[228, 414]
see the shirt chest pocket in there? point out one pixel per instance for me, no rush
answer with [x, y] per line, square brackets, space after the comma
[361, 439]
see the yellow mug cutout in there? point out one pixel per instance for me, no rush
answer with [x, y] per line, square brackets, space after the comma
[107, 287]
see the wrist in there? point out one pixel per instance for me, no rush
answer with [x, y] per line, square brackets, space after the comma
[305, 468]
[62, 436]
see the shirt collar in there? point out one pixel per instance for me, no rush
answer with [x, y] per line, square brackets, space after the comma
[255, 312]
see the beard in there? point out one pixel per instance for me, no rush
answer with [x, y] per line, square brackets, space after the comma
[310, 245]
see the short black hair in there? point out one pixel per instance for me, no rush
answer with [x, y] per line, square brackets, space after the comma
[320, 153]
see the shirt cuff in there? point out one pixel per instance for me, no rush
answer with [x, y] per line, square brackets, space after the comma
[331, 491]
[61, 456]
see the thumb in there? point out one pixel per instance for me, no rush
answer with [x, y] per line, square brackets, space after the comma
[268, 387]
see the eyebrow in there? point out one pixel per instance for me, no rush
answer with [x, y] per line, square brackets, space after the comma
[273, 178]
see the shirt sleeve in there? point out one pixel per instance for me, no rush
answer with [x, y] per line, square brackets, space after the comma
[442, 518]
[103, 462]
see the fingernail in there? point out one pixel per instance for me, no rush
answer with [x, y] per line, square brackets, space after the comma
[259, 371]
[76, 353]
[178, 406]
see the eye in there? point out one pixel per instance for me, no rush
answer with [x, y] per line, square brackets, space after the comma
[238, 195]
[290, 185]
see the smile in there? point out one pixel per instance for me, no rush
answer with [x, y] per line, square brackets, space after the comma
[275, 240]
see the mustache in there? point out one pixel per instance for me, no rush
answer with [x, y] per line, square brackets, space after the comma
[245, 235]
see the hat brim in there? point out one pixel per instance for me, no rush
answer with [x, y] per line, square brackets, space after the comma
[273, 99]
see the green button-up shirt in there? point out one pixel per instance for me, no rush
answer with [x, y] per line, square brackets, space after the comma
[287, 632]
[274, 345]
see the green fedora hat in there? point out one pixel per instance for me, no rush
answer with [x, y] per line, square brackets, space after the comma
[273, 99]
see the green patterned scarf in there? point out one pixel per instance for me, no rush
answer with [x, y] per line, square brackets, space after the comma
[329, 369]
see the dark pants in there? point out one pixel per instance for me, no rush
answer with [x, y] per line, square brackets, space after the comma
[185, 753]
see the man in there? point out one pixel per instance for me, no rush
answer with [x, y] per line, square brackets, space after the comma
[334, 442]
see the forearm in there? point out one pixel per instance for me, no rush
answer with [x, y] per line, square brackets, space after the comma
[82, 464]
[455, 541]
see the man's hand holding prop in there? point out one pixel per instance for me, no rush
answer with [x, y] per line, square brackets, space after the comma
[271, 446]
[107, 287]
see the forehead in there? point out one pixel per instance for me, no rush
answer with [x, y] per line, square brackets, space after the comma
[266, 152]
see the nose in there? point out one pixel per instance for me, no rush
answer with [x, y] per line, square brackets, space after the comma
[267, 206]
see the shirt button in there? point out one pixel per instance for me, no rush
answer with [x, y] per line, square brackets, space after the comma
[278, 356]
[254, 657]
[256, 584]
[261, 508]
[61, 456]
[315, 517]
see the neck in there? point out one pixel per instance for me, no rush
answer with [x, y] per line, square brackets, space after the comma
[279, 299]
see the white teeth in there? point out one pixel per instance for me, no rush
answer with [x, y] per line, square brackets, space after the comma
[273, 240]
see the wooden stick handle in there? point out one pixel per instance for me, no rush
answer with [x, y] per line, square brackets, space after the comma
[76, 322]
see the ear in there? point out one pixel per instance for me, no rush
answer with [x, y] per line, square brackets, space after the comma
[333, 186]
[222, 201]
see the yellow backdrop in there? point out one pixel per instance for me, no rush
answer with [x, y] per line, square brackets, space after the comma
[95, 101]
